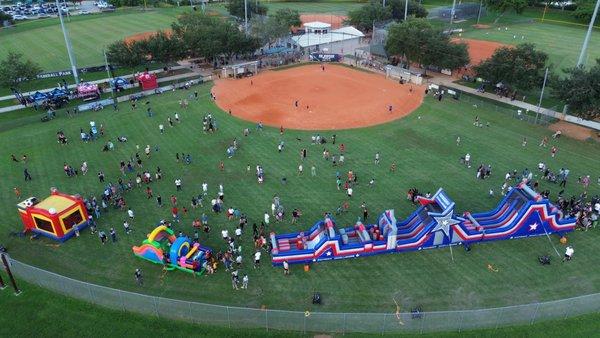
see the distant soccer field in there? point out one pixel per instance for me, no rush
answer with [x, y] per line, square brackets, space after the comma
[43, 41]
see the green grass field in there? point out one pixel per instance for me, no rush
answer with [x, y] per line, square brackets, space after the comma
[427, 158]
[44, 43]
[81, 318]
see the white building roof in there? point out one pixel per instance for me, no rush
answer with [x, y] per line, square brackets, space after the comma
[317, 25]
[336, 35]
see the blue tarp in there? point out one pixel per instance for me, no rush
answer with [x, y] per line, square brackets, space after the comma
[37, 96]
[57, 93]
[119, 82]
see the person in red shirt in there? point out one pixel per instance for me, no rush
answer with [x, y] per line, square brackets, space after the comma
[281, 130]
[175, 213]
[149, 192]
[342, 148]
[173, 200]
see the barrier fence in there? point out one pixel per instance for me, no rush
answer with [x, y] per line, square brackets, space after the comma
[236, 317]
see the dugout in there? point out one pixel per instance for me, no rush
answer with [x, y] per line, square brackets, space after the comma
[240, 70]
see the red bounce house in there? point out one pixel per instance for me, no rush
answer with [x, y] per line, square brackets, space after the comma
[147, 81]
[56, 217]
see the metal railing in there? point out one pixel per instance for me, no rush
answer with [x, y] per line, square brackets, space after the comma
[237, 317]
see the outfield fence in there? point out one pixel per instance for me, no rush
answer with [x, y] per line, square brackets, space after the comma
[237, 317]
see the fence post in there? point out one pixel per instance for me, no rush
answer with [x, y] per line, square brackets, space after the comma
[537, 306]
[122, 299]
[228, 318]
[267, 320]
[156, 306]
[304, 328]
[91, 293]
[383, 326]
[568, 308]
[190, 309]
[344, 328]
[423, 316]
[460, 321]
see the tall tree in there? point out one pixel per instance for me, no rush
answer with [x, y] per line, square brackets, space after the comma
[288, 17]
[267, 29]
[414, 9]
[164, 47]
[584, 11]
[236, 8]
[580, 89]
[363, 17]
[127, 54]
[14, 69]
[419, 42]
[506, 5]
[521, 67]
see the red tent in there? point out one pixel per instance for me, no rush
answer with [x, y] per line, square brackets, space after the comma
[147, 81]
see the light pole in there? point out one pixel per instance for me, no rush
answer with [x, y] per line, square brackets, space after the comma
[405, 9]
[479, 12]
[246, 16]
[452, 12]
[68, 43]
[587, 36]
[541, 96]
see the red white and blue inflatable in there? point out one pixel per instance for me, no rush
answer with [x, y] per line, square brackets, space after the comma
[522, 213]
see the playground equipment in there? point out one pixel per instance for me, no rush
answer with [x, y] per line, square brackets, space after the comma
[163, 247]
[56, 217]
[521, 213]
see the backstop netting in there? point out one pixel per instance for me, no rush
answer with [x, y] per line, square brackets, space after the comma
[463, 11]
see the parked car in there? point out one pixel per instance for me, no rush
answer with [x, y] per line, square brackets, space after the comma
[82, 12]
[20, 17]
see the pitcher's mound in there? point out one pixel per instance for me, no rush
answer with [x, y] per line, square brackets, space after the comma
[335, 98]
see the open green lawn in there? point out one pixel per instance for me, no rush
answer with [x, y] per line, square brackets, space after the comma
[43, 41]
[562, 42]
[427, 158]
[79, 318]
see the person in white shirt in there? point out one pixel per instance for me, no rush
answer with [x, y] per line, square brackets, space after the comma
[225, 234]
[245, 281]
[349, 192]
[238, 232]
[286, 268]
[130, 213]
[267, 218]
[204, 188]
[569, 253]
[257, 259]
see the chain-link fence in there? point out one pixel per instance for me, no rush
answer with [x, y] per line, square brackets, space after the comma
[236, 317]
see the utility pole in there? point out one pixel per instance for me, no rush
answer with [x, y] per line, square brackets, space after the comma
[587, 36]
[113, 87]
[405, 10]
[452, 12]
[68, 43]
[541, 96]
[246, 16]
[479, 12]
[383, 3]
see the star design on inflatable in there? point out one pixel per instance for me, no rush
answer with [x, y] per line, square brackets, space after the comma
[444, 223]
[328, 253]
[533, 227]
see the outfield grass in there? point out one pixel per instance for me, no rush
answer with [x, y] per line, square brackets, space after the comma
[562, 42]
[80, 318]
[43, 41]
[427, 158]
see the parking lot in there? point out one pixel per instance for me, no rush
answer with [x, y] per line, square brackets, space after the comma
[22, 11]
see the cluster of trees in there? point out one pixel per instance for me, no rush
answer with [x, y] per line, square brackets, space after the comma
[522, 68]
[268, 29]
[363, 17]
[580, 89]
[417, 41]
[192, 35]
[236, 8]
[15, 69]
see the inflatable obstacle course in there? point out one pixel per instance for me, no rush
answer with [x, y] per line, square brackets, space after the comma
[521, 213]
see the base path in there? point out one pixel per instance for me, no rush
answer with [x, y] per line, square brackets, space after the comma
[336, 98]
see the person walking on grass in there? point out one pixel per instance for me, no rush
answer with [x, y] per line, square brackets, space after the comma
[313, 171]
[126, 227]
[245, 281]
[139, 278]
[377, 157]
[286, 268]
[113, 235]
[257, 259]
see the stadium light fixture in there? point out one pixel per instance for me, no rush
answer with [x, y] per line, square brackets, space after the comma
[68, 43]
[586, 41]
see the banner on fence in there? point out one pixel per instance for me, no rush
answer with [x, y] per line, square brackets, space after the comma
[322, 57]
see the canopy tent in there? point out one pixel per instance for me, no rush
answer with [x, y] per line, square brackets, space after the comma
[119, 83]
[58, 93]
[87, 90]
[147, 81]
[38, 97]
